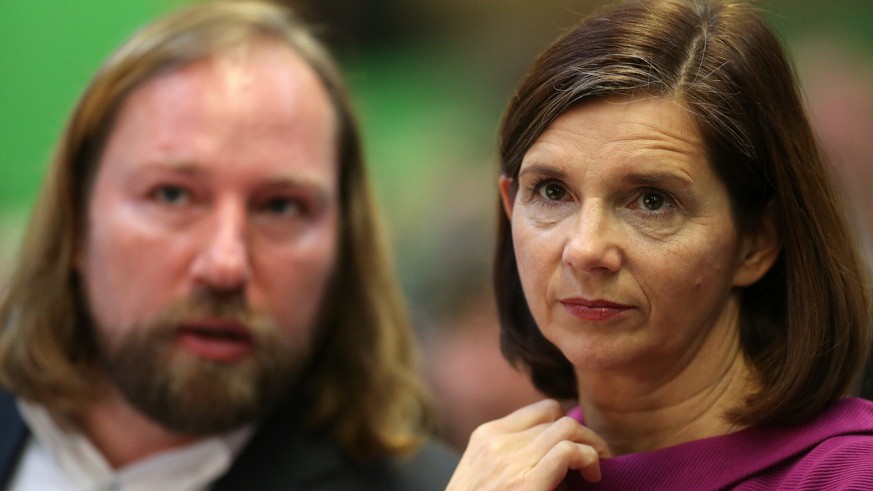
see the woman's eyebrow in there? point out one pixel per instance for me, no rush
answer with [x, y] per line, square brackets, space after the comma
[658, 178]
[544, 170]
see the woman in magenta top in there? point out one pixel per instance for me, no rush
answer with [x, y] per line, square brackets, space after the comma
[672, 260]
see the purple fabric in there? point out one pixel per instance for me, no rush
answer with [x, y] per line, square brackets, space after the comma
[832, 452]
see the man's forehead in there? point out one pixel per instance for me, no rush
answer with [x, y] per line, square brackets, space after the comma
[237, 67]
[262, 90]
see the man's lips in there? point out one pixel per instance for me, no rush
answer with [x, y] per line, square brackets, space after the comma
[594, 310]
[219, 340]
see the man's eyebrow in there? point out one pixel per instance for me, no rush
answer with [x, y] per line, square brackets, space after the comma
[280, 180]
[181, 166]
[295, 180]
[319, 190]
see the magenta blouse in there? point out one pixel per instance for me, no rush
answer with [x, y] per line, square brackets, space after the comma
[834, 451]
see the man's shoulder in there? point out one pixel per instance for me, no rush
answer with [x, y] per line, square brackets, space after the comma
[430, 468]
[10, 418]
[276, 460]
[427, 469]
[12, 437]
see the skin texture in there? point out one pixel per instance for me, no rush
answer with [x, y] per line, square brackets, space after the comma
[220, 176]
[631, 264]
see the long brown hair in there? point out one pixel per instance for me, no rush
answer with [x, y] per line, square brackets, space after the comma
[805, 326]
[363, 383]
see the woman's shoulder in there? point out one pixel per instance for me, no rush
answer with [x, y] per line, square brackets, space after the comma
[839, 462]
[849, 415]
[839, 455]
[845, 426]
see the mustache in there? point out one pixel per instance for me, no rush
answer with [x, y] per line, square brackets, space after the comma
[204, 303]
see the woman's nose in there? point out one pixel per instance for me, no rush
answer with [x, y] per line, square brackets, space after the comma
[223, 261]
[592, 243]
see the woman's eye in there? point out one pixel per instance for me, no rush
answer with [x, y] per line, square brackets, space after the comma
[653, 201]
[552, 191]
[173, 195]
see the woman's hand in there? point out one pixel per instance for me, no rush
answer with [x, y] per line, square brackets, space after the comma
[531, 450]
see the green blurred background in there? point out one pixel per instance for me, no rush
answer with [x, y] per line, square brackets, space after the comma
[430, 80]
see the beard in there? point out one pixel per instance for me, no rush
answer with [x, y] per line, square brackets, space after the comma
[192, 395]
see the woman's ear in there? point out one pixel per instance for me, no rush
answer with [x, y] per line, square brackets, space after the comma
[507, 193]
[759, 248]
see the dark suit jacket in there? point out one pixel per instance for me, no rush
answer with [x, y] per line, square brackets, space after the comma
[280, 457]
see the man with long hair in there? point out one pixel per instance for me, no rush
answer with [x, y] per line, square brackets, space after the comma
[203, 299]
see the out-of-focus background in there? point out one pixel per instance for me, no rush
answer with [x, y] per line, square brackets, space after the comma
[430, 80]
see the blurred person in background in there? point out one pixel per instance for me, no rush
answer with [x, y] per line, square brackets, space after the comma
[470, 380]
[203, 299]
[673, 261]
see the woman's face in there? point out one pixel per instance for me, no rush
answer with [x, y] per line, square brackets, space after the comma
[625, 243]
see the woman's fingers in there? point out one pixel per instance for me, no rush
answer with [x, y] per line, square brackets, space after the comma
[566, 428]
[544, 411]
[569, 455]
[530, 449]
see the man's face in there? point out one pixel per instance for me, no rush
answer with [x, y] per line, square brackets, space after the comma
[212, 231]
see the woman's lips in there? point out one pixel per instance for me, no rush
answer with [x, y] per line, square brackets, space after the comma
[594, 310]
[217, 340]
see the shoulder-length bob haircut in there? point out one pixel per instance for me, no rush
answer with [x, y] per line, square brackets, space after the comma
[363, 383]
[804, 326]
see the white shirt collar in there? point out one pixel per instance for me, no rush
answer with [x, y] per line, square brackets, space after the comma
[82, 466]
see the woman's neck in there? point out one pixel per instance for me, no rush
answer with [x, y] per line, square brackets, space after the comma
[684, 401]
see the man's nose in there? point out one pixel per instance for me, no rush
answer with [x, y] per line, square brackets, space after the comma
[223, 261]
[591, 244]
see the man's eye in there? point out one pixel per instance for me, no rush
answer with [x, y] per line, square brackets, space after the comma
[282, 206]
[173, 195]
